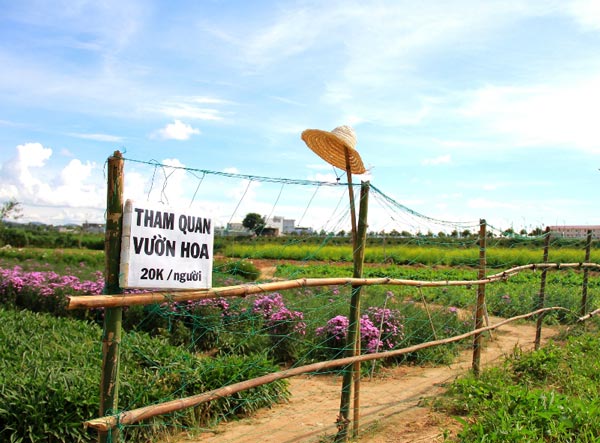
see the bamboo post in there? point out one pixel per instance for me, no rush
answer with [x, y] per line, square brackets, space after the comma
[111, 335]
[542, 295]
[351, 375]
[343, 419]
[586, 273]
[356, 290]
[479, 311]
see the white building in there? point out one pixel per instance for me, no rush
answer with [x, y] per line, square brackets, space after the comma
[574, 231]
[286, 226]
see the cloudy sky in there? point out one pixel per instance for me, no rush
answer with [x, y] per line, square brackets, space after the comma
[463, 109]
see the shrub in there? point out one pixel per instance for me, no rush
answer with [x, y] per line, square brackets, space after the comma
[548, 395]
[241, 268]
[42, 291]
[380, 329]
[50, 364]
[282, 325]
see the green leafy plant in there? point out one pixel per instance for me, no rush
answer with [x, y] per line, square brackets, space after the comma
[50, 364]
[549, 395]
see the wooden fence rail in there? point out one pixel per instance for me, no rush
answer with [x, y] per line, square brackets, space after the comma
[135, 415]
[116, 300]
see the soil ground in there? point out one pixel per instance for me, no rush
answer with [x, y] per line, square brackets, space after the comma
[393, 404]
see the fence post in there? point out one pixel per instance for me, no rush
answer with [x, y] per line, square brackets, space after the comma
[542, 294]
[586, 273]
[111, 335]
[479, 311]
[352, 374]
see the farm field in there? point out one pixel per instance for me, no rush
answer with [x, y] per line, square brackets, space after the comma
[395, 402]
[307, 325]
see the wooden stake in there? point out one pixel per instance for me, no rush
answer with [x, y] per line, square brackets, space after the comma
[111, 335]
[479, 312]
[542, 296]
[584, 289]
[353, 338]
[356, 290]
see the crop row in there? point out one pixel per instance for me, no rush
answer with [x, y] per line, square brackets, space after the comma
[406, 255]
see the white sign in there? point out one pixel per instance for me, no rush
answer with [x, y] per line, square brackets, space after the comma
[165, 249]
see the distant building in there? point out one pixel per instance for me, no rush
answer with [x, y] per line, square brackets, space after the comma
[233, 230]
[302, 231]
[286, 226]
[574, 231]
[93, 228]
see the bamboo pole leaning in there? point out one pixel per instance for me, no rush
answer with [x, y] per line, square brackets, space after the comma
[121, 300]
[136, 415]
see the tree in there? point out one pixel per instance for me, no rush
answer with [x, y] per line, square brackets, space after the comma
[536, 232]
[10, 209]
[254, 222]
[509, 232]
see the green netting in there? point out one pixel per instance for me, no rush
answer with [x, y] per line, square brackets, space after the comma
[177, 350]
[293, 328]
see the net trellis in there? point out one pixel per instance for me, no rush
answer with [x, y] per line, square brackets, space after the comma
[297, 327]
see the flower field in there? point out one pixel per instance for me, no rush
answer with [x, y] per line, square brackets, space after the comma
[293, 327]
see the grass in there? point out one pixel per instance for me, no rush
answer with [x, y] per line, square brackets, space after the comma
[82, 263]
[549, 395]
[237, 331]
[430, 255]
[50, 364]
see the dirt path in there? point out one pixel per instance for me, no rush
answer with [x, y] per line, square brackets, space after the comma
[390, 410]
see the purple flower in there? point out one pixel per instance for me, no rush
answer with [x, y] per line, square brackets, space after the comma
[278, 318]
[379, 328]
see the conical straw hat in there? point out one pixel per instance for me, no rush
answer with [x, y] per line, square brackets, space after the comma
[331, 147]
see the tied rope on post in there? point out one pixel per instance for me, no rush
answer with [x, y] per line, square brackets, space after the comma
[338, 149]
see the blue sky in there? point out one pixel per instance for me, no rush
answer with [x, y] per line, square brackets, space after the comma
[462, 109]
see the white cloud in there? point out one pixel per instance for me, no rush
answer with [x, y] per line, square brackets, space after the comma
[319, 166]
[177, 131]
[168, 185]
[76, 172]
[441, 160]
[544, 115]
[71, 191]
[484, 203]
[97, 137]
[29, 155]
[106, 25]
[586, 13]
[190, 108]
